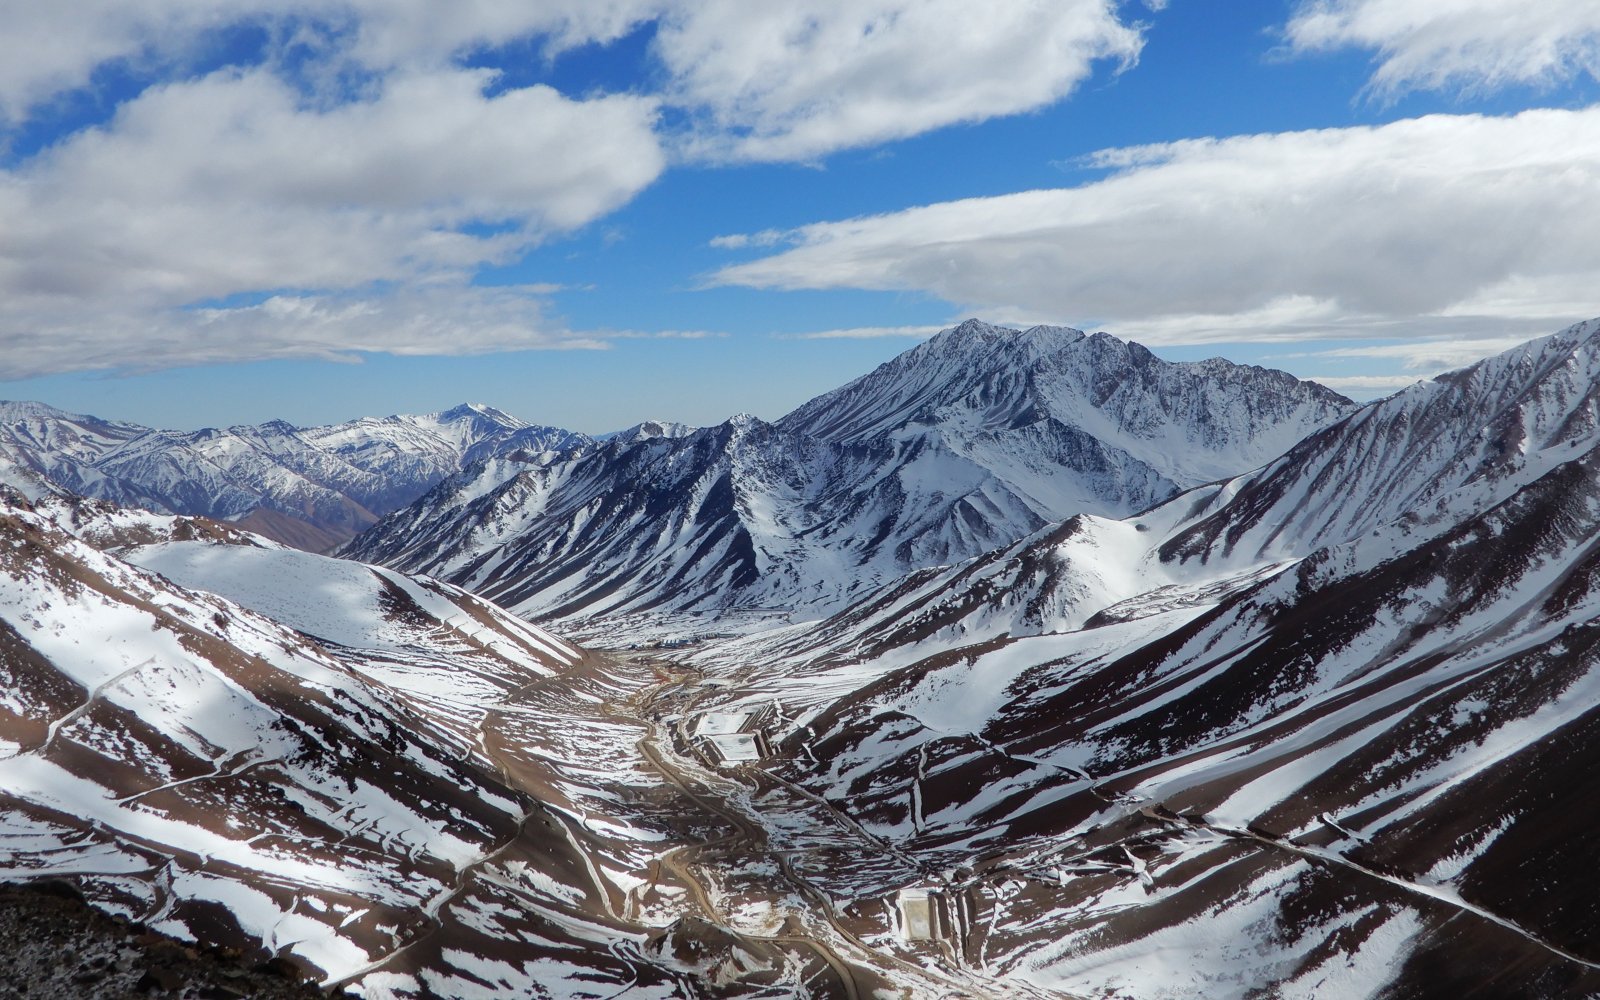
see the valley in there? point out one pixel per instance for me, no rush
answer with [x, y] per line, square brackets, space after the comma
[1319, 727]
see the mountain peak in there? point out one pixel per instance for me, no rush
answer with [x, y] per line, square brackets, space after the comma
[650, 429]
[744, 422]
[480, 411]
[27, 409]
[1108, 387]
[975, 334]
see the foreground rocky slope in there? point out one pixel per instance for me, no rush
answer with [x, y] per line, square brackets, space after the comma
[319, 795]
[57, 947]
[387, 786]
[965, 443]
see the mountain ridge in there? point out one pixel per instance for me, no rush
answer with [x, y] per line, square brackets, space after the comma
[313, 486]
[964, 443]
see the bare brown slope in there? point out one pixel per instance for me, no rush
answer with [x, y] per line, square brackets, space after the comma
[301, 534]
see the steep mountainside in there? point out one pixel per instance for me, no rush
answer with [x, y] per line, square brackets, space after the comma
[965, 443]
[324, 794]
[1324, 729]
[375, 781]
[311, 487]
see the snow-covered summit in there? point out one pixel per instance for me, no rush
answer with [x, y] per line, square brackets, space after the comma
[966, 442]
[1191, 422]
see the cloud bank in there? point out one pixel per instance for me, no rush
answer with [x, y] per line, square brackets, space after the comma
[1449, 224]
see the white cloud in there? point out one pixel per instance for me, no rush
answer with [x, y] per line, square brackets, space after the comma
[1429, 356]
[866, 333]
[740, 241]
[227, 185]
[802, 79]
[402, 32]
[1362, 387]
[1421, 359]
[48, 48]
[796, 80]
[1445, 224]
[610, 335]
[442, 319]
[1471, 43]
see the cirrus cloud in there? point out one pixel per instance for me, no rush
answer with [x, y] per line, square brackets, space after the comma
[1470, 43]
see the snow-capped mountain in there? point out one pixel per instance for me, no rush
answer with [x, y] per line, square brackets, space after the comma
[310, 487]
[1321, 728]
[965, 443]
[1324, 729]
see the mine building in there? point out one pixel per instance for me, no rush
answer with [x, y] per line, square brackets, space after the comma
[734, 737]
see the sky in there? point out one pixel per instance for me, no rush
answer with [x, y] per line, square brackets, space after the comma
[594, 212]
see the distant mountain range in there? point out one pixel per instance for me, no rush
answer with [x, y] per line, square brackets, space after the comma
[311, 487]
[967, 442]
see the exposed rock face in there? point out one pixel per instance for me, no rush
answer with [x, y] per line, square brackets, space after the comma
[965, 443]
[57, 947]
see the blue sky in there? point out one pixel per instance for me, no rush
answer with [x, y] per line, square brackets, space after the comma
[591, 212]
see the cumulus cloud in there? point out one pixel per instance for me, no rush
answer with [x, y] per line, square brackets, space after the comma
[800, 80]
[225, 183]
[49, 48]
[1468, 43]
[228, 185]
[1436, 224]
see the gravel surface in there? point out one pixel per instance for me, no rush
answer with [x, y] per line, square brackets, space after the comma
[54, 946]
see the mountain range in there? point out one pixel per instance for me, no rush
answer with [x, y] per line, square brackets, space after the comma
[1330, 721]
[1025, 665]
[967, 442]
[311, 487]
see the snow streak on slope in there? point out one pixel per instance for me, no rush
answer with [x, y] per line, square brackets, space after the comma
[965, 443]
[312, 487]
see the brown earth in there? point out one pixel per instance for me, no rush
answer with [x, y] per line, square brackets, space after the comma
[54, 946]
